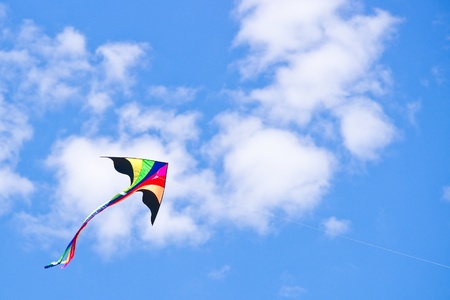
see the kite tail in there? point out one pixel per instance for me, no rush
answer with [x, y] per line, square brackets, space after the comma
[70, 250]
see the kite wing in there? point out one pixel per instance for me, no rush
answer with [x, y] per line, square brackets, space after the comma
[147, 176]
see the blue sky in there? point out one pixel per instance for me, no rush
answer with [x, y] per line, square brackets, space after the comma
[307, 145]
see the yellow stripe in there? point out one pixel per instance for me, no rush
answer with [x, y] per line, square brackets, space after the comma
[136, 163]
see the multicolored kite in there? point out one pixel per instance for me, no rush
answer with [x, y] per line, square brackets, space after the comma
[147, 176]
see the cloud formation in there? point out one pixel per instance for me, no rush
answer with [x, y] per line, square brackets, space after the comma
[271, 169]
[47, 71]
[322, 58]
[314, 83]
[14, 132]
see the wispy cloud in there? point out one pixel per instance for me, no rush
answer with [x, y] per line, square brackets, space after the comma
[51, 69]
[14, 131]
[412, 109]
[43, 70]
[137, 119]
[333, 226]
[291, 291]
[119, 58]
[438, 74]
[11, 186]
[174, 95]
[220, 273]
[446, 193]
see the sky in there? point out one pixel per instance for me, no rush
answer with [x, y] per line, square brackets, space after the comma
[307, 144]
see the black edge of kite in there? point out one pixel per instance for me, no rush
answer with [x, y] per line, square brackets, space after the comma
[149, 198]
[132, 157]
[122, 165]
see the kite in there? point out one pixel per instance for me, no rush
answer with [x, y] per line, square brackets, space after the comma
[147, 176]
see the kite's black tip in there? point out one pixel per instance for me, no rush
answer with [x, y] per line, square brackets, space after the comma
[150, 199]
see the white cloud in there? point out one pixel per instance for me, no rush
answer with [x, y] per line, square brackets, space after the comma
[269, 169]
[438, 74]
[291, 291]
[321, 60]
[220, 273]
[70, 43]
[174, 227]
[118, 58]
[114, 74]
[175, 95]
[365, 128]
[412, 109]
[99, 101]
[3, 11]
[12, 184]
[446, 193]
[52, 67]
[14, 131]
[276, 30]
[39, 228]
[135, 119]
[45, 72]
[333, 226]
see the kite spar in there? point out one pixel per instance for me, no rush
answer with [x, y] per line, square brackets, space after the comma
[147, 176]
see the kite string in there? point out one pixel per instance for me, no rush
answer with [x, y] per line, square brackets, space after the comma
[351, 239]
[331, 233]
